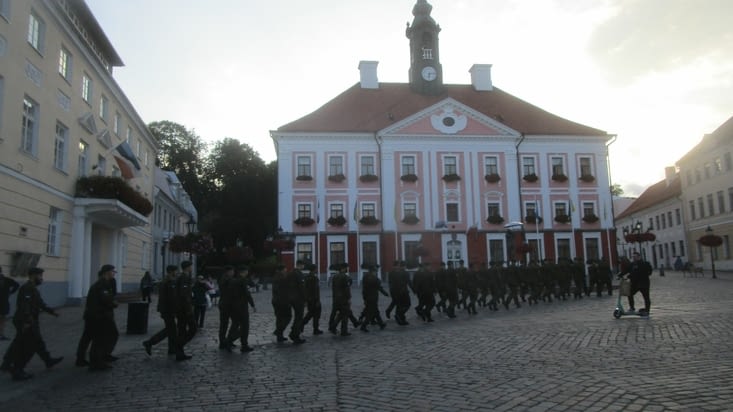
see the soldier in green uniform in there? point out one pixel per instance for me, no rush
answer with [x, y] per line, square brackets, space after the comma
[397, 267]
[594, 283]
[187, 325]
[371, 287]
[296, 301]
[604, 276]
[440, 279]
[280, 302]
[99, 319]
[401, 295]
[312, 287]
[424, 286]
[495, 285]
[168, 302]
[341, 291]
[451, 289]
[511, 280]
[239, 299]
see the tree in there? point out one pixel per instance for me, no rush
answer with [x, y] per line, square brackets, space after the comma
[616, 190]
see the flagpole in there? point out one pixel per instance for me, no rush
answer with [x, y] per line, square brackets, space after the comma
[537, 230]
[396, 231]
[318, 240]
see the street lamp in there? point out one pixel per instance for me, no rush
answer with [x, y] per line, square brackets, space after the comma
[711, 240]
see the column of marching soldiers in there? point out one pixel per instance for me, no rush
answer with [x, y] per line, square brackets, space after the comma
[296, 301]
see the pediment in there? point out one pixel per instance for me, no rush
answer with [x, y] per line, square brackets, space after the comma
[450, 118]
[87, 122]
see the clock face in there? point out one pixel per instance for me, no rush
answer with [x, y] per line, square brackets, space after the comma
[429, 73]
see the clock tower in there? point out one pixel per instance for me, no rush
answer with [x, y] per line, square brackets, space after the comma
[426, 73]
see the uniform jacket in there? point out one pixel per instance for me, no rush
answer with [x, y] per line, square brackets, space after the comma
[29, 305]
[100, 302]
[168, 296]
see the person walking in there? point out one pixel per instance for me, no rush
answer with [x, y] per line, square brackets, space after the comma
[225, 307]
[240, 300]
[168, 308]
[28, 337]
[341, 291]
[201, 300]
[371, 287]
[99, 319]
[186, 322]
[312, 287]
[146, 287]
[639, 272]
[296, 301]
[8, 286]
[280, 302]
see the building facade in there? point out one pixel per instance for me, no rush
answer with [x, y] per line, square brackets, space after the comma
[706, 174]
[432, 172]
[66, 131]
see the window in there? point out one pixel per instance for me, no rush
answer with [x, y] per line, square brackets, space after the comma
[304, 166]
[531, 210]
[86, 88]
[450, 165]
[592, 248]
[304, 252]
[451, 212]
[369, 253]
[335, 210]
[701, 207]
[36, 31]
[674, 248]
[101, 165]
[528, 166]
[59, 148]
[669, 218]
[728, 162]
[557, 166]
[335, 165]
[711, 205]
[721, 202]
[585, 167]
[698, 175]
[65, 64]
[491, 164]
[408, 165]
[53, 244]
[368, 210]
[103, 108]
[129, 136]
[726, 246]
[589, 209]
[658, 223]
[561, 209]
[29, 130]
[83, 158]
[730, 198]
[677, 217]
[409, 209]
[146, 158]
[337, 252]
[116, 124]
[692, 210]
[367, 165]
[563, 248]
[664, 221]
[493, 209]
[5, 9]
[496, 250]
[718, 166]
[138, 147]
[707, 170]
[304, 210]
[682, 248]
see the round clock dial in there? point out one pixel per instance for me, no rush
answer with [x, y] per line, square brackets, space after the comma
[429, 73]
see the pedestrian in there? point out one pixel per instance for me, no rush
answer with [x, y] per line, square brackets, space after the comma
[280, 302]
[424, 286]
[402, 285]
[28, 337]
[146, 286]
[99, 319]
[8, 286]
[240, 299]
[341, 291]
[296, 301]
[371, 287]
[639, 272]
[225, 306]
[201, 300]
[86, 337]
[186, 322]
[168, 301]
[312, 287]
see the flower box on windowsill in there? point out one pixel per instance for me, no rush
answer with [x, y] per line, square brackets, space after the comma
[588, 178]
[495, 220]
[304, 221]
[337, 221]
[451, 178]
[533, 219]
[409, 178]
[368, 178]
[110, 187]
[410, 220]
[590, 218]
[304, 178]
[336, 178]
[560, 178]
[492, 178]
[562, 219]
[531, 178]
[369, 220]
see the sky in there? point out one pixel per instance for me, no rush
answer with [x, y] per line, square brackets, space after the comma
[656, 73]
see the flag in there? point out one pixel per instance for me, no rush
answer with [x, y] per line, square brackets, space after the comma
[126, 160]
[318, 212]
[572, 206]
[356, 211]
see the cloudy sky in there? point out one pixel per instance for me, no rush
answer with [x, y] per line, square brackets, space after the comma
[657, 73]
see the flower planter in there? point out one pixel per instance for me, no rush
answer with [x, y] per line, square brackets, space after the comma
[451, 178]
[560, 178]
[304, 178]
[562, 219]
[492, 178]
[495, 220]
[304, 221]
[531, 178]
[337, 221]
[336, 178]
[110, 187]
[369, 220]
[533, 219]
[410, 220]
[368, 178]
[590, 218]
[587, 178]
[409, 178]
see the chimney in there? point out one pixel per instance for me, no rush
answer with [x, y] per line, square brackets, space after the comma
[368, 71]
[669, 174]
[481, 77]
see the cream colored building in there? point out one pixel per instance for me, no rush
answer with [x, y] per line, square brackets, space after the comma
[62, 116]
[706, 172]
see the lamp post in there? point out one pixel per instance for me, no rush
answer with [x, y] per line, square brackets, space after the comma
[191, 226]
[711, 240]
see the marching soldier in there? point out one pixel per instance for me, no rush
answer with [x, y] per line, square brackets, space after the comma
[440, 279]
[371, 287]
[28, 337]
[451, 289]
[280, 302]
[239, 299]
[402, 285]
[471, 285]
[511, 279]
[99, 319]
[594, 283]
[296, 301]
[187, 325]
[495, 285]
[168, 301]
[313, 299]
[392, 283]
[604, 276]
[341, 291]
[424, 287]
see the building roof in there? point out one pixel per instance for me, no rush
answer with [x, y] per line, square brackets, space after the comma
[371, 110]
[654, 195]
[724, 133]
[85, 15]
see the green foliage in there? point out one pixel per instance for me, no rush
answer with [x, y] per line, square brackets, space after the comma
[616, 190]
[110, 187]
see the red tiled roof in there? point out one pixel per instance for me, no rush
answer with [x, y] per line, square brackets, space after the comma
[371, 110]
[653, 195]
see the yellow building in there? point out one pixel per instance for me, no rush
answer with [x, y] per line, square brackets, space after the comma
[64, 119]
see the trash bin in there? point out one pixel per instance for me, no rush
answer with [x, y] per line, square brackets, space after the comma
[137, 318]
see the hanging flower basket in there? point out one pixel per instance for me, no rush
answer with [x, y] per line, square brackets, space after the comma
[369, 220]
[409, 178]
[711, 240]
[560, 178]
[337, 221]
[451, 178]
[492, 178]
[177, 244]
[304, 221]
[495, 220]
[640, 237]
[195, 243]
[337, 178]
[562, 219]
[410, 220]
[587, 178]
[590, 218]
[304, 178]
[533, 219]
[531, 178]
[368, 178]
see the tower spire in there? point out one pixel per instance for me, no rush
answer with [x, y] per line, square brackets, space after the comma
[426, 72]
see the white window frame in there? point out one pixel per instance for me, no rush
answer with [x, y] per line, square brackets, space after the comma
[411, 164]
[491, 165]
[590, 165]
[129, 136]
[335, 165]
[60, 148]
[117, 123]
[307, 162]
[65, 64]
[53, 241]
[36, 31]
[450, 165]
[368, 168]
[559, 163]
[83, 160]
[86, 88]
[101, 165]
[560, 205]
[103, 108]
[529, 165]
[29, 131]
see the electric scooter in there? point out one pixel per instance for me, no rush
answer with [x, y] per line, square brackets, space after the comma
[624, 289]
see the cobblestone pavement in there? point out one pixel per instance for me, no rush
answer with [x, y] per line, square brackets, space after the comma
[559, 356]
